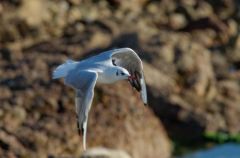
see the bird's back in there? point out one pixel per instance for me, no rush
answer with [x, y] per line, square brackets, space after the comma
[97, 63]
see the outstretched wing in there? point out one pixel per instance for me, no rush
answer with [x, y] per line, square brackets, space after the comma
[128, 59]
[83, 82]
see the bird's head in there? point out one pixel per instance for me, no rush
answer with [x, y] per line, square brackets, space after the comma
[121, 73]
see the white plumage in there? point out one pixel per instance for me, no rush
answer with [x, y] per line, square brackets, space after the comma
[62, 70]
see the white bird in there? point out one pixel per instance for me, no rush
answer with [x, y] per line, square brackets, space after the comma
[107, 67]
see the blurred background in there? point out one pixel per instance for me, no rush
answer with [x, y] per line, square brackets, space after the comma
[191, 55]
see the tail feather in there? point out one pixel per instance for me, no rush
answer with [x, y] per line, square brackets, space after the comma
[62, 70]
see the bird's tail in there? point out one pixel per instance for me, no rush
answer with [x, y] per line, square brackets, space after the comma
[62, 70]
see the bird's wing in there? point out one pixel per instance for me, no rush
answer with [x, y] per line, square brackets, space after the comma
[83, 82]
[128, 59]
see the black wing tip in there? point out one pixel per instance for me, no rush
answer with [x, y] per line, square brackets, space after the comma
[138, 88]
[80, 131]
[135, 85]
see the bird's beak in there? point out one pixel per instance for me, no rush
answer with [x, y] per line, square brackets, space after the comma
[131, 77]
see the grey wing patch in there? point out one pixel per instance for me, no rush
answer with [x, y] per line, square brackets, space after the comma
[128, 59]
[83, 82]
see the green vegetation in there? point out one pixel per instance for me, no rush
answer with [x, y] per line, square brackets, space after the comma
[222, 137]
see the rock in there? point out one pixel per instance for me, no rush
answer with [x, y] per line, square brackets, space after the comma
[205, 77]
[13, 2]
[10, 143]
[158, 80]
[19, 114]
[74, 2]
[34, 11]
[104, 153]
[5, 54]
[16, 83]
[177, 21]
[116, 112]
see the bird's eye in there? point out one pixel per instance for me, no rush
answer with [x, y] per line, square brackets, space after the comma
[117, 73]
[122, 73]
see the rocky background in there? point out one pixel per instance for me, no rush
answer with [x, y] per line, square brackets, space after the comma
[191, 55]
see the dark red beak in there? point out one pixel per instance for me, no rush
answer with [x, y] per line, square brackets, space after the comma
[132, 77]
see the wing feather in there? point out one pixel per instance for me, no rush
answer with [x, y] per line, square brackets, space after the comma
[128, 59]
[83, 82]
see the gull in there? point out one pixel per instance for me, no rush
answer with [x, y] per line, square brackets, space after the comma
[106, 67]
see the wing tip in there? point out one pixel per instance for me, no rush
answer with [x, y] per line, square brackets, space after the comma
[81, 133]
[84, 139]
[84, 147]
